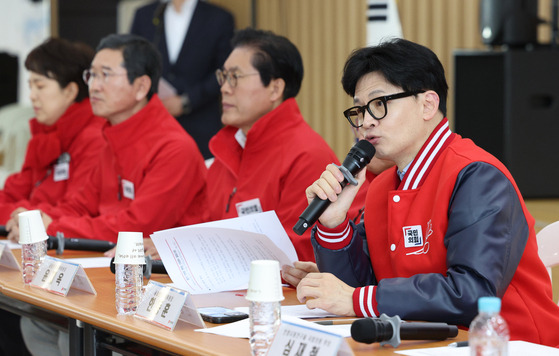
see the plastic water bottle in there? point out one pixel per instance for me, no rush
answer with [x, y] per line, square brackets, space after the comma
[32, 255]
[265, 319]
[128, 291]
[489, 333]
[264, 294]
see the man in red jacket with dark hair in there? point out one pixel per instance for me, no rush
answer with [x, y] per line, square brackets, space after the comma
[444, 227]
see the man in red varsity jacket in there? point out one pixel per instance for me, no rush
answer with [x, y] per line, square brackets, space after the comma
[442, 228]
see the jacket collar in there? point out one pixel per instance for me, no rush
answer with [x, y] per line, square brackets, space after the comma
[431, 150]
[67, 127]
[137, 126]
[225, 147]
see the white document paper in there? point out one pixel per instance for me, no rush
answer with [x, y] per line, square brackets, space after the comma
[91, 262]
[12, 245]
[214, 257]
[241, 328]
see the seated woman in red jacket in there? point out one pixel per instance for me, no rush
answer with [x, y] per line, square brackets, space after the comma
[65, 135]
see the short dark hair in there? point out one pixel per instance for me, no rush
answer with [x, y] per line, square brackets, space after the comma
[275, 57]
[403, 63]
[63, 61]
[140, 57]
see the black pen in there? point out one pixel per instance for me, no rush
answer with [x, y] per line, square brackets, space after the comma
[335, 322]
[458, 344]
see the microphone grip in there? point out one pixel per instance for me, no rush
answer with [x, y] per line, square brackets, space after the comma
[52, 243]
[311, 214]
[427, 331]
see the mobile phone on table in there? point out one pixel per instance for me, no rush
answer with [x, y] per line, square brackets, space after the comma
[220, 315]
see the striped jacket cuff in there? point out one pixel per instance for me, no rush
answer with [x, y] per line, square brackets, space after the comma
[364, 301]
[335, 238]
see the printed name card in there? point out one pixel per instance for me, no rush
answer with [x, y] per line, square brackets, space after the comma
[58, 276]
[303, 338]
[7, 258]
[163, 306]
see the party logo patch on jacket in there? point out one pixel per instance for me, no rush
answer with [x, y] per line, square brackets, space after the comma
[413, 237]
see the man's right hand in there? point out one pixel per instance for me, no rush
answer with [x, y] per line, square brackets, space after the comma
[328, 187]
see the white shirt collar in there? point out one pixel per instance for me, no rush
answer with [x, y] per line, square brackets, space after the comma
[176, 26]
[403, 172]
[241, 138]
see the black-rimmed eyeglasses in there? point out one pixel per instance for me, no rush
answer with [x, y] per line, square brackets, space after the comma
[376, 107]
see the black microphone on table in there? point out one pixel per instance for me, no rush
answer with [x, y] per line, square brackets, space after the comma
[61, 243]
[390, 330]
[358, 158]
[151, 266]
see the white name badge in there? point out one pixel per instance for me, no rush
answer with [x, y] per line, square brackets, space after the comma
[58, 276]
[7, 258]
[128, 189]
[163, 306]
[61, 171]
[248, 207]
[293, 338]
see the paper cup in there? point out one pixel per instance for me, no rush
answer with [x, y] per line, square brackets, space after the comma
[264, 283]
[130, 248]
[31, 227]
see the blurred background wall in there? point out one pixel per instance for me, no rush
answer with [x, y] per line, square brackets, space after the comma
[325, 31]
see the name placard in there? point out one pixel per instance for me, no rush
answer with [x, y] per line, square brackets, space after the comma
[7, 258]
[58, 276]
[164, 306]
[303, 338]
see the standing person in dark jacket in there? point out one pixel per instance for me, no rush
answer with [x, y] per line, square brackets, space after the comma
[193, 38]
[445, 226]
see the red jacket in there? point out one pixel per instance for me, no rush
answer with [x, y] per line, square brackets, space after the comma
[150, 177]
[282, 157]
[76, 133]
[453, 230]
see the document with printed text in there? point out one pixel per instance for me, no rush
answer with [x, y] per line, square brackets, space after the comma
[214, 257]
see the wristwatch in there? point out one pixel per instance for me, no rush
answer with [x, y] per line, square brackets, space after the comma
[185, 104]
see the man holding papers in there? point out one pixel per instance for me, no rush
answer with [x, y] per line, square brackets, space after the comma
[267, 154]
[444, 227]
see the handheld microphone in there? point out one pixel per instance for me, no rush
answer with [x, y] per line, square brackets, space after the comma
[390, 330]
[358, 158]
[151, 266]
